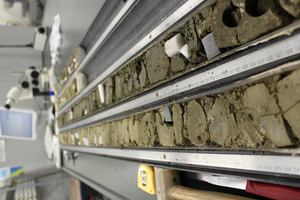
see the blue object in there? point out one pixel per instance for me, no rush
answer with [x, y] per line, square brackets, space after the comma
[51, 93]
[3, 173]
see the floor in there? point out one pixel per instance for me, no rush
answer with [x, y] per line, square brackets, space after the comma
[54, 191]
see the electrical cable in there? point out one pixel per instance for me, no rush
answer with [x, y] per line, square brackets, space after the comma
[40, 109]
[16, 46]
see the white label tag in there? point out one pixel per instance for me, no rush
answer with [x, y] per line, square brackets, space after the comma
[86, 141]
[71, 114]
[69, 70]
[101, 92]
[100, 139]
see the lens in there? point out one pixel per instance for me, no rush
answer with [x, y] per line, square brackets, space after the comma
[34, 74]
[41, 30]
[7, 106]
[25, 84]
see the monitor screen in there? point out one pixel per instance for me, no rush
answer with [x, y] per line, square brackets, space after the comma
[17, 123]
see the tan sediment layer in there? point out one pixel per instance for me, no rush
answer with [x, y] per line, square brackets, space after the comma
[263, 114]
[154, 67]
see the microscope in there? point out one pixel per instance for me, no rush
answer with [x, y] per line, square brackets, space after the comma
[27, 89]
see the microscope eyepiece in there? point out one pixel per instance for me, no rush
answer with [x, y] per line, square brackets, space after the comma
[34, 74]
[7, 106]
[25, 84]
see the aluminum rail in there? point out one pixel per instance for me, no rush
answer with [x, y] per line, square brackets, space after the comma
[273, 53]
[112, 26]
[181, 12]
[277, 164]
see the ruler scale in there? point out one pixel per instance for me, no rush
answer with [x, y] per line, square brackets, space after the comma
[281, 164]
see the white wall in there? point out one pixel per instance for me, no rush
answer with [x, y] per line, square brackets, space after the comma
[29, 154]
[16, 59]
[76, 17]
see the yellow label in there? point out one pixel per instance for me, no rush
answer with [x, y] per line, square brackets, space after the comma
[146, 179]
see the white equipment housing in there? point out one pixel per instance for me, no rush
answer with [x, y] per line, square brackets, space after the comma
[39, 38]
[18, 93]
[21, 92]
